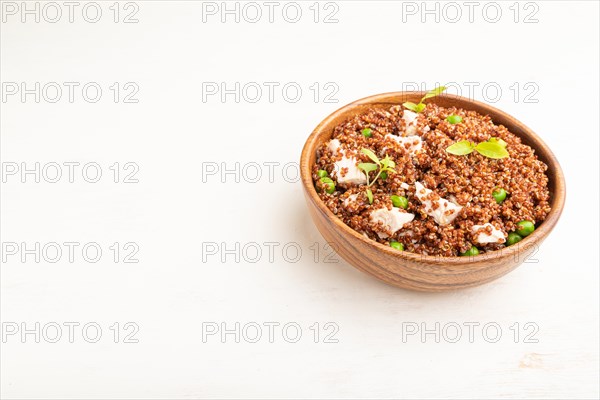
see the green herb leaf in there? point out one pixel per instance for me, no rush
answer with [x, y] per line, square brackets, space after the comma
[366, 132]
[413, 107]
[387, 162]
[368, 167]
[433, 92]
[370, 196]
[454, 119]
[421, 106]
[492, 150]
[461, 148]
[382, 166]
[371, 155]
[499, 141]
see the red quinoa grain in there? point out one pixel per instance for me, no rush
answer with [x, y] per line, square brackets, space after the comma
[467, 181]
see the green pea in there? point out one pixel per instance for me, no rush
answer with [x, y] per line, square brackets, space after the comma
[383, 175]
[399, 201]
[322, 173]
[397, 246]
[499, 195]
[513, 238]
[454, 119]
[525, 228]
[328, 184]
[473, 251]
[366, 132]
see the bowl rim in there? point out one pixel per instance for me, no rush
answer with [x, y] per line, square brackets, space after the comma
[557, 203]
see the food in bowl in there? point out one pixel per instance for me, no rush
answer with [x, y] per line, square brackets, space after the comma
[432, 180]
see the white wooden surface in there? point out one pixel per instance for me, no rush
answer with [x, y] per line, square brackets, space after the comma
[170, 213]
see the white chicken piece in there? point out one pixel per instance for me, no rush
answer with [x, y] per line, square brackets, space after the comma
[416, 143]
[497, 236]
[354, 176]
[410, 119]
[392, 220]
[444, 213]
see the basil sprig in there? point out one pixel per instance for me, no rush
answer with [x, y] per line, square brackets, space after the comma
[381, 166]
[421, 106]
[494, 148]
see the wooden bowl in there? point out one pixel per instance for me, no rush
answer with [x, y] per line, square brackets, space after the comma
[416, 271]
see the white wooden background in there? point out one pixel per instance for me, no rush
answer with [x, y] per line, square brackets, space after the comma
[547, 72]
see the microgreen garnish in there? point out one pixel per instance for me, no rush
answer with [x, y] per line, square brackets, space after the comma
[454, 119]
[461, 148]
[499, 141]
[414, 107]
[494, 148]
[371, 155]
[382, 167]
[370, 196]
[366, 132]
[368, 167]
[421, 106]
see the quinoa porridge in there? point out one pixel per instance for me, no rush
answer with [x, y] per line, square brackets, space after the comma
[433, 181]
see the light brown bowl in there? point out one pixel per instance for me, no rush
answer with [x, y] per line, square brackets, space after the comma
[415, 271]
